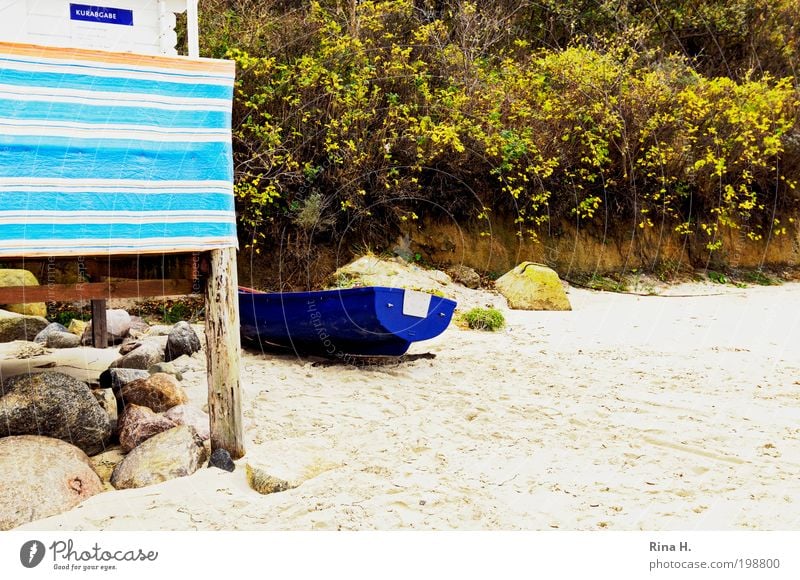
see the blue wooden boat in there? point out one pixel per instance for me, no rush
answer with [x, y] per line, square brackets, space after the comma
[369, 321]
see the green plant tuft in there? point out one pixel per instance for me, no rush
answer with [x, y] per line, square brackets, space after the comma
[717, 277]
[65, 316]
[760, 278]
[176, 313]
[484, 319]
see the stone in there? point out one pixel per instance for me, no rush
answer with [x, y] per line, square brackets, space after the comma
[14, 277]
[143, 357]
[159, 330]
[118, 323]
[139, 328]
[182, 339]
[15, 326]
[137, 424]
[221, 459]
[62, 340]
[166, 367]
[114, 379]
[55, 405]
[41, 338]
[107, 400]
[264, 483]
[77, 326]
[465, 276]
[129, 345]
[42, 477]
[160, 392]
[532, 286]
[104, 464]
[177, 452]
[21, 349]
[188, 415]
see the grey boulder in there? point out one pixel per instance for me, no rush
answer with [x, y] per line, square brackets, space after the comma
[55, 405]
[143, 357]
[59, 339]
[182, 339]
[41, 338]
[177, 452]
[115, 379]
[166, 367]
[221, 459]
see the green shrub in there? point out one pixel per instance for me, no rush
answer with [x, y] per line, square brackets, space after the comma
[373, 118]
[65, 316]
[176, 313]
[760, 278]
[484, 319]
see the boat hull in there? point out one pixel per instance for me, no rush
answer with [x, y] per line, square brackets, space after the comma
[370, 321]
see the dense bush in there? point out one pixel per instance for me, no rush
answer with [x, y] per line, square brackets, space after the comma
[365, 115]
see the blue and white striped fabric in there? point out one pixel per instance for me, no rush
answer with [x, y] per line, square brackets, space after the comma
[104, 153]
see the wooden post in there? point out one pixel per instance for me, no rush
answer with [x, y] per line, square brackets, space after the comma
[223, 353]
[99, 324]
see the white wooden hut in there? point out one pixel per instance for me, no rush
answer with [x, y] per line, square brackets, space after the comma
[112, 146]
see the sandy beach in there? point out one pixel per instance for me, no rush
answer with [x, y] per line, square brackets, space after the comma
[628, 413]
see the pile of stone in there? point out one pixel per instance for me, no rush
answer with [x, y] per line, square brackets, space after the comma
[62, 441]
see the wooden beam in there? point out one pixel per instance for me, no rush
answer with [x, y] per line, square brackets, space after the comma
[94, 291]
[118, 267]
[99, 324]
[223, 352]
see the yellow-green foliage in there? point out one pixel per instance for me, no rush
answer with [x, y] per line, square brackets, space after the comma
[377, 111]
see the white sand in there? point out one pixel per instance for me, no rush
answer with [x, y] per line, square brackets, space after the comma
[628, 413]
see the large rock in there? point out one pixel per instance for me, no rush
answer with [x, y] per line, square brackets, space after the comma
[115, 379]
[174, 453]
[221, 459]
[41, 477]
[166, 367]
[159, 392]
[118, 324]
[10, 277]
[15, 326]
[532, 286]
[139, 327]
[159, 330]
[182, 339]
[129, 345]
[264, 483]
[41, 338]
[374, 271]
[62, 340]
[137, 424]
[107, 400]
[188, 415]
[54, 405]
[77, 326]
[143, 357]
[104, 464]
[465, 276]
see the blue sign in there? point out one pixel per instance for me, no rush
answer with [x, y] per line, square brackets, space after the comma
[101, 14]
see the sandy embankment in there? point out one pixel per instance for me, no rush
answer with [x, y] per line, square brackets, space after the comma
[628, 413]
